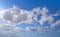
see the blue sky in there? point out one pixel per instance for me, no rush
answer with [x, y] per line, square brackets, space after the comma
[30, 18]
[52, 4]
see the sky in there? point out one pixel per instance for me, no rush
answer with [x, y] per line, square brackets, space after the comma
[29, 18]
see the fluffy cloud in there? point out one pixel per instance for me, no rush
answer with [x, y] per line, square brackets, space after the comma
[12, 16]
[15, 15]
[9, 31]
[57, 23]
[9, 19]
[1, 13]
[45, 18]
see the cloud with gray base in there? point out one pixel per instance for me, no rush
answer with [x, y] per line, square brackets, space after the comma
[9, 18]
[15, 15]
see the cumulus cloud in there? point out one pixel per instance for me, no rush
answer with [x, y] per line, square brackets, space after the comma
[56, 14]
[15, 15]
[57, 23]
[45, 18]
[40, 14]
[44, 11]
[9, 18]
[9, 31]
[1, 13]
[9, 28]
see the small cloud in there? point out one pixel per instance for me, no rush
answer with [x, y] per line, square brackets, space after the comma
[57, 23]
[44, 11]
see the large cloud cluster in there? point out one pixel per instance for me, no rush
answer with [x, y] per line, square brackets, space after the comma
[9, 18]
[16, 15]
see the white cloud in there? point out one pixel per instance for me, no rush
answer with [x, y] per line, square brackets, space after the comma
[13, 16]
[56, 14]
[9, 31]
[27, 29]
[39, 29]
[16, 15]
[9, 18]
[10, 28]
[43, 19]
[44, 11]
[1, 13]
[36, 11]
[43, 29]
[57, 23]
[43, 15]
